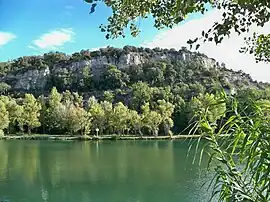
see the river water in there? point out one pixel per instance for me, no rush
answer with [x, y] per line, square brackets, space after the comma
[109, 171]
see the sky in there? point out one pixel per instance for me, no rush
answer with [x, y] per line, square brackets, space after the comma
[34, 27]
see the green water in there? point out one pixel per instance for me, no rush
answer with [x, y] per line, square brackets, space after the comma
[128, 171]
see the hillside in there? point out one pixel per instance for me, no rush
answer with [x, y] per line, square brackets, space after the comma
[124, 91]
[91, 71]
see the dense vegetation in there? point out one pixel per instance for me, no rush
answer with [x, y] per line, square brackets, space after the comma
[154, 98]
[148, 114]
[241, 158]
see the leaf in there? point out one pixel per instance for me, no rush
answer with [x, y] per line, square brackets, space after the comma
[92, 10]
[198, 46]
[89, 1]
[189, 41]
[224, 15]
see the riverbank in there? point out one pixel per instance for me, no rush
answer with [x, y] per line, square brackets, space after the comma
[93, 138]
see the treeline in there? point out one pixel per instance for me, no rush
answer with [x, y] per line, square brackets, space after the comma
[68, 113]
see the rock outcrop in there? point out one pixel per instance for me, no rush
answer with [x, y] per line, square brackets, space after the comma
[36, 79]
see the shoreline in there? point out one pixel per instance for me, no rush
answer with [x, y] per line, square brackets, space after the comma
[95, 138]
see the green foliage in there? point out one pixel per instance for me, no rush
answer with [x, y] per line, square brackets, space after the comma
[54, 98]
[241, 159]
[120, 117]
[108, 96]
[31, 112]
[141, 94]
[4, 88]
[76, 119]
[86, 81]
[113, 78]
[98, 114]
[134, 122]
[83, 55]
[15, 115]
[166, 110]
[208, 104]
[187, 77]
[4, 117]
[54, 111]
[108, 119]
[52, 58]
[151, 119]
[237, 16]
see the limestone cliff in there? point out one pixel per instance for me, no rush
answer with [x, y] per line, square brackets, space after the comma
[40, 75]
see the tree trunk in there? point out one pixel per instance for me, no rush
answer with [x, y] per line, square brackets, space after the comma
[140, 132]
[29, 130]
[155, 133]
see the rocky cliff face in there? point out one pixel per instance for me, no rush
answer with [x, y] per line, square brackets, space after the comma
[36, 79]
[29, 80]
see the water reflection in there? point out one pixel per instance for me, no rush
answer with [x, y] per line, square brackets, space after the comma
[98, 171]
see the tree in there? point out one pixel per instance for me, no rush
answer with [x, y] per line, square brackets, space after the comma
[54, 57]
[237, 15]
[77, 99]
[55, 111]
[15, 114]
[120, 117]
[77, 119]
[66, 96]
[98, 114]
[154, 73]
[54, 98]
[162, 93]
[20, 118]
[141, 94]
[166, 110]
[86, 82]
[4, 88]
[4, 99]
[43, 113]
[245, 99]
[31, 112]
[108, 96]
[151, 119]
[4, 117]
[113, 78]
[134, 121]
[209, 105]
[108, 117]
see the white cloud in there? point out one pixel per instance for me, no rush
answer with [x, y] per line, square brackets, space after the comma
[227, 52]
[53, 40]
[6, 37]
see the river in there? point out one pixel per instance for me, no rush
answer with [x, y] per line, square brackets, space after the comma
[108, 171]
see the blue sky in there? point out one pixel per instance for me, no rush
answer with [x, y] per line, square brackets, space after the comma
[36, 26]
[33, 27]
